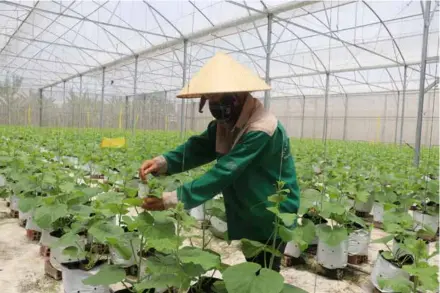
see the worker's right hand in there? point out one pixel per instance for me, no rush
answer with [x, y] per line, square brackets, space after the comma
[148, 167]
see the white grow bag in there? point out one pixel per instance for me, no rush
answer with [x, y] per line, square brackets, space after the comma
[385, 270]
[72, 281]
[57, 257]
[397, 249]
[292, 249]
[46, 239]
[143, 190]
[358, 242]
[218, 227]
[31, 225]
[198, 213]
[378, 212]
[364, 207]
[332, 257]
[14, 202]
[421, 220]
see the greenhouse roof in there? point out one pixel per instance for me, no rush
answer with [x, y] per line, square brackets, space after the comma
[364, 46]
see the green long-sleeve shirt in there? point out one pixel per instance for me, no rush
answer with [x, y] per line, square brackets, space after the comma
[246, 176]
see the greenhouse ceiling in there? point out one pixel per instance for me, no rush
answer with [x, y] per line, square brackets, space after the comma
[140, 46]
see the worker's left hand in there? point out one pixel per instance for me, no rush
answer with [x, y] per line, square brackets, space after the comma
[152, 203]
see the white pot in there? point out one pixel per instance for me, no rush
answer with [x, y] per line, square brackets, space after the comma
[332, 257]
[24, 216]
[46, 239]
[218, 227]
[198, 213]
[292, 249]
[316, 240]
[14, 202]
[385, 270]
[378, 212]
[72, 281]
[364, 207]
[30, 225]
[358, 242]
[421, 220]
[57, 257]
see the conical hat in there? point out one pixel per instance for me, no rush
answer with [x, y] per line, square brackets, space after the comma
[222, 74]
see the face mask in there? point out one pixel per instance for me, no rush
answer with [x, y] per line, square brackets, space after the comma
[224, 110]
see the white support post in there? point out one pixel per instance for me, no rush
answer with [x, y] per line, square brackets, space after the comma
[397, 117]
[302, 115]
[402, 120]
[268, 53]
[418, 135]
[64, 103]
[344, 134]
[182, 107]
[324, 130]
[41, 108]
[101, 121]
[133, 119]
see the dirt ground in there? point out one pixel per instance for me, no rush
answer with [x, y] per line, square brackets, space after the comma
[22, 269]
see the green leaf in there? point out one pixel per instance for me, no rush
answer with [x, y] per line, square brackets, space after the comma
[45, 215]
[103, 230]
[332, 237]
[161, 281]
[67, 187]
[25, 204]
[107, 275]
[252, 248]
[287, 218]
[362, 196]
[243, 278]
[398, 284]
[198, 256]
[71, 251]
[383, 240]
[134, 202]
[308, 199]
[277, 198]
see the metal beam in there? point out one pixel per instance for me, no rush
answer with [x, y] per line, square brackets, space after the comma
[433, 84]
[429, 60]
[402, 120]
[193, 36]
[83, 19]
[268, 53]
[426, 22]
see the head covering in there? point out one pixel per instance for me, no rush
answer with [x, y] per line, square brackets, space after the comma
[222, 74]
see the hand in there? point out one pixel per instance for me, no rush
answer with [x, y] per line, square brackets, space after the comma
[149, 166]
[153, 204]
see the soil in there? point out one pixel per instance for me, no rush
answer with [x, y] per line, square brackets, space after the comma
[82, 265]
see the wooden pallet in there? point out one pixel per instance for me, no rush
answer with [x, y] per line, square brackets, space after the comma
[13, 214]
[22, 223]
[378, 225]
[290, 261]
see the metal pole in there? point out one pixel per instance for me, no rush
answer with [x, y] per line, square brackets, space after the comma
[136, 58]
[302, 116]
[344, 134]
[405, 76]
[64, 99]
[79, 104]
[422, 83]
[327, 81]
[144, 101]
[41, 108]
[101, 122]
[397, 116]
[182, 107]
[268, 51]
[126, 112]
[384, 124]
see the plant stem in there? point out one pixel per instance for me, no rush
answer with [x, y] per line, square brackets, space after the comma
[274, 244]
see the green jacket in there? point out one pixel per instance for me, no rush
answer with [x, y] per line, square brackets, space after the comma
[246, 176]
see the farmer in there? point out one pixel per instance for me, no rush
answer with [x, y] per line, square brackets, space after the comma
[251, 148]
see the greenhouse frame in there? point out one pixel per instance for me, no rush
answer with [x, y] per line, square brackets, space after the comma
[350, 70]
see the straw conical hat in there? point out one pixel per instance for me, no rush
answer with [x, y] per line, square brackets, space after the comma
[222, 74]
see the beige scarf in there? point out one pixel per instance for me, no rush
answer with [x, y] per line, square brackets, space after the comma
[226, 137]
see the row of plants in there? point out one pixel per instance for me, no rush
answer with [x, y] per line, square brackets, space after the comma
[338, 182]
